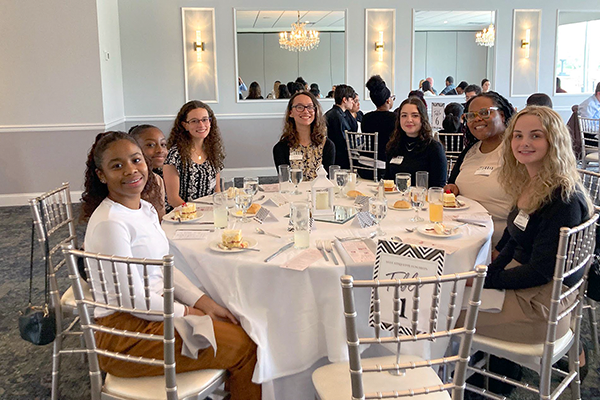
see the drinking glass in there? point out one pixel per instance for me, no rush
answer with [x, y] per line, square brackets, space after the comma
[332, 169]
[436, 204]
[341, 178]
[299, 212]
[403, 183]
[220, 210]
[284, 178]
[378, 210]
[417, 199]
[422, 179]
[251, 185]
[228, 187]
[296, 175]
[243, 201]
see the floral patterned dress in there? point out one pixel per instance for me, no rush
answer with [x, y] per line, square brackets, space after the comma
[307, 158]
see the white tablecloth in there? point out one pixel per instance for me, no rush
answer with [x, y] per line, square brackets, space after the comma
[296, 318]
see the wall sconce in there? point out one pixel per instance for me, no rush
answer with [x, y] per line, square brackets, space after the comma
[525, 43]
[379, 46]
[199, 46]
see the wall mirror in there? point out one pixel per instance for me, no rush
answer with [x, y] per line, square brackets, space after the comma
[444, 45]
[577, 67]
[261, 59]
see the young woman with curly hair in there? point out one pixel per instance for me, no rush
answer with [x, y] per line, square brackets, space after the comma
[304, 133]
[123, 224]
[195, 156]
[412, 147]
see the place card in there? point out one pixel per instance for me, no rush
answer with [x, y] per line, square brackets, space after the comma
[264, 215]
[272, 187]
[365, 220]
[358, 251]
[362, 201]
[276, 200]
[190, 234]
[303, 260]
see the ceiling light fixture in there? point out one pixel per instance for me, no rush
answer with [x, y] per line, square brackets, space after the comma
[299, 39]
[486, 37]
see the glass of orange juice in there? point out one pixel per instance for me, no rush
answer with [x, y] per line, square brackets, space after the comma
[436, 204]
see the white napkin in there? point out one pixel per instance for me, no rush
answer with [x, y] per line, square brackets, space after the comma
[477, 218]
[368, 161]
[197, 333]
[492, 300]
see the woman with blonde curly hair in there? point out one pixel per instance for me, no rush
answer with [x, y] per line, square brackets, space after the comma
[539, 173]
[192, 167]
[304, 137]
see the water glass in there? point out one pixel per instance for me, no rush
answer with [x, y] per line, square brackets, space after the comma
[243, 201]
[251, 185]
[352, 181]
[417, 199]
[220, 210]
[300, 215]
[436, 204]
[296, 175]
[341, 178]
[422, 179]
[403, 183]
[378, 210]
[332, 169]
[228, 187]
[284, 178]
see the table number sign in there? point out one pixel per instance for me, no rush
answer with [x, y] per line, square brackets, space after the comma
[404, 261]
[437, 115]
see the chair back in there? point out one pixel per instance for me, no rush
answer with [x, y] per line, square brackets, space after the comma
[413, 286]
[591, 182]
[113, 280]
[589, 130]
[574, 256]
[453, 143]
[363, 151]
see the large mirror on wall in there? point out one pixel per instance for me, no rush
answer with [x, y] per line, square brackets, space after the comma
[445, 44]
[577, 52]
[266, 51]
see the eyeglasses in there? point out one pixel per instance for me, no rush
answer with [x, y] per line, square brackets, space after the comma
[483, 113]
[205, 120]
[393, 97]
[301, 107]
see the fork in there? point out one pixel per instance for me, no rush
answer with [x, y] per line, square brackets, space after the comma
[320, 247]
[329, 249]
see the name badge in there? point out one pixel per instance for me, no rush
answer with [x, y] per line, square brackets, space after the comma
[295, 156]
[484, 170]
[521, 220]
[397, 160]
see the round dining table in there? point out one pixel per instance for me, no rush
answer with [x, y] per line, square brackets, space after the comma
[296, 317]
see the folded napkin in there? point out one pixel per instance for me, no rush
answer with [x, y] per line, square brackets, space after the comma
[357, 252]
[303, 260]
[477, 217]
[368, 161]
[197, 333]
[492, 300]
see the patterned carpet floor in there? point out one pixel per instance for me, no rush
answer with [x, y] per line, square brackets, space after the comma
[25, 369]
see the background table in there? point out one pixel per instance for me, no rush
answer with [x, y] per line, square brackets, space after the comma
[296, 318]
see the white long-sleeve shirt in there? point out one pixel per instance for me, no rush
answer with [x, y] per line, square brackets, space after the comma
[114, 229]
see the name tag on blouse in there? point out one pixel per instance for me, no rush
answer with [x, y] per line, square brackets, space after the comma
[295, 156]
[397, 160]
[521, 220]
[484, 170]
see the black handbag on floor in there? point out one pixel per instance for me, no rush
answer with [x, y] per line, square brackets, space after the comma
[37, 324]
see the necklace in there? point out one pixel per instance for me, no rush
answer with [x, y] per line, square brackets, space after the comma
[196, 154]
[411, 146]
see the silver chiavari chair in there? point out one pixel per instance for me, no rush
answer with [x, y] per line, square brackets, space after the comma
[402, 375]
[589, 130]
[103, 276]
[362, 151]
[575, 251]
[453, 146]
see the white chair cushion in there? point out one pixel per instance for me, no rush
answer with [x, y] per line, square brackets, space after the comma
[333, 381]
[529, 355]
[153, 387]
[592, 156]
[67, 301]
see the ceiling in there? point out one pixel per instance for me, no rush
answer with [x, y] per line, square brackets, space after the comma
[452, 20]
[277, 21]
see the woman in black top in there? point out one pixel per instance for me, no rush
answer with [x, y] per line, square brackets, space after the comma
[382, 120]
[412, 147]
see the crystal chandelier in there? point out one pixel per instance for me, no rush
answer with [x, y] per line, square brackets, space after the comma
[299, 39]
[486, 37]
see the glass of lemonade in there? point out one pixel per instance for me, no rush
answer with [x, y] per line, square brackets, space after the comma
[436, 204]
[300, 214]
[220, 210]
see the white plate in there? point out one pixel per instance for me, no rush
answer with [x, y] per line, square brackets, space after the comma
[459, 208]
[423, 229]
[376, 191]
[400, 209]
[170, 217]
[215, 246]
[249, 215]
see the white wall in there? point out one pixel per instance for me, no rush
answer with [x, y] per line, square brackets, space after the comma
[51, 76]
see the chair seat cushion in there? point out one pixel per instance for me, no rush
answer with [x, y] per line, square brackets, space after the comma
[153, 387]
[592, 156]
[67, 301]
[333, 381]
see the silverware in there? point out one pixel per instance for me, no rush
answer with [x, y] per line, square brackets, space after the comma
[278, 252]
[470, 223]
[329, 249]
[320, 247]
[202, 202]
[411, 229]
[259, 198]
[236, 249]
[450, 231]
[397, 239]
[262, 232]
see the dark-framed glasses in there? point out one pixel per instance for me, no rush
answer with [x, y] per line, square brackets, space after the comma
[195, 121]
[393, 97]
[301, 107]
[483, 113]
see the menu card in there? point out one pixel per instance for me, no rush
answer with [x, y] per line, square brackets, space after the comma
[303, 260]
[182, 234]
[358, 251]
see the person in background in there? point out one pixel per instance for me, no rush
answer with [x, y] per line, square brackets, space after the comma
[195, 159]
[382, 120]
[275, 92]
[330, 95]
[284, 93]
[154, 146]
[290, 87]
[590, 108]
[453, 117]
[337, 123]
[475, 174]
[558, 88]
[485, 85]
[314, 89]
[427, 90]
[414, 93]
[121, 223]
[412, 147]
[298, 87]
[460, 89]
[304, 131]
[449, 86]
[539, 99]
[304, 84]
[241, 88]
[254, 92]
[354, 115]
[421, 84]
[470, 92]
[430, 80]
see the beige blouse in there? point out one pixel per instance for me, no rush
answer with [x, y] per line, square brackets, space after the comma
[312, 157]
